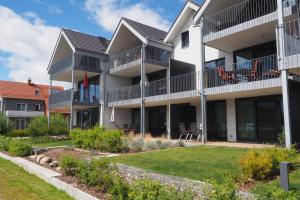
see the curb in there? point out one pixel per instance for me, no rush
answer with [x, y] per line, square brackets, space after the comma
[49, 176]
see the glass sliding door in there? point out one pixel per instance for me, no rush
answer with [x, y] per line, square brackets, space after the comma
[217, 120]
[246, 119]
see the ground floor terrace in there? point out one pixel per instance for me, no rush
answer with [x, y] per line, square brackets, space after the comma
[257, 119]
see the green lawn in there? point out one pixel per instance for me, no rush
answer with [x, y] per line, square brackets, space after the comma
[198, 163]
[17, 184]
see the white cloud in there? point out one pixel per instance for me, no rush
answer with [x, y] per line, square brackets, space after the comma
[26, 45]
[107, 13]
[54, 9]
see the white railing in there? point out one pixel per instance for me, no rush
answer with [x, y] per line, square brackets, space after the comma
[17, 113]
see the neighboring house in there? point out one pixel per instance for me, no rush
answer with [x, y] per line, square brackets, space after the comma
[218, 66]
[21, 102]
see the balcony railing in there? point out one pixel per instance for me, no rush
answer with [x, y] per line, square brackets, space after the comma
[153, 55]
[88, 99]
[19, 113]
[238, 14]
[87, 63]
[292, 37]
[181, 83]
[61, 65]
[243, 72]
[60, 99]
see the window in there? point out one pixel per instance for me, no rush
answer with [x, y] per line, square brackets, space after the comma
[37, 93]
[21, 106]
[215, 63]
[20, 123]
[37, 107]
[185, 39]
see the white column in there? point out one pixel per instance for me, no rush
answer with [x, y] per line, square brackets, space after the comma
[284, 75]
[143, 131]
[72, 99]
[202, 85]
[169, 120]
[49, 113]
[231, 120]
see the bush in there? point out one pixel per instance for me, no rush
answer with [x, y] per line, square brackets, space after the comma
[224, 191]
[18, 148]
[260, 164]
[147, 189]
[38, 127]
[137, 145]
[69, 165]
[5, 125]
[58, 125]
[18, 133]
[271, 191]
[98, 138]
[4, 143]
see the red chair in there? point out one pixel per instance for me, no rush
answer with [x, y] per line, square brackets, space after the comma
[227, 76]
[254, 73]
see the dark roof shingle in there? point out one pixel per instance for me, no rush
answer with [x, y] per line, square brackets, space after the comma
[87, 42]
[147, 31]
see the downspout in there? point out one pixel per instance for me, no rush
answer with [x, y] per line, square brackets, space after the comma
[143, 132]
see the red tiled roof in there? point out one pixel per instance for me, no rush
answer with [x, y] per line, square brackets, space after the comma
[19, 90]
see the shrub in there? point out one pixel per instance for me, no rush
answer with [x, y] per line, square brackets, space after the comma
[18, 133]
[38, 127]
[180, 144]
[5, 125]
[270, 191]
[4, 143]
[222, 191]
[98, 138]
[58, 125]
[18, 148]
[69, 165]
[260, 164]
[137, 145]
[256, 165]
[147, 189]
[152, 146]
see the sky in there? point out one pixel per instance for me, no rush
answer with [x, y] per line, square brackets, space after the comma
[30, 28]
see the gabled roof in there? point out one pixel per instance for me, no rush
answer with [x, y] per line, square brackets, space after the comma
[147, 31]
[19, 90]
[188, 5]
[201, 10]
[85, 42]
[147, 34]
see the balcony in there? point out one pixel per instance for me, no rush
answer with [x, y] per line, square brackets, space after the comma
[242, 16]
[62, 65]
[63, 100]
[247, 75]
[174, 87]
[291, 31]
[127, 63]
[25, 114]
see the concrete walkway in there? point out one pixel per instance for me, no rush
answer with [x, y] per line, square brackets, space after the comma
[49, 176]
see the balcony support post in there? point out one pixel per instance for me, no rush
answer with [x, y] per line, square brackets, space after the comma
[48, 111]
[142, 128]
[284, 74]
[202, 83]
[72, 100]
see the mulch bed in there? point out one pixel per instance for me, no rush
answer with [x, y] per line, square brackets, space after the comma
[71, 180]
[56, 154]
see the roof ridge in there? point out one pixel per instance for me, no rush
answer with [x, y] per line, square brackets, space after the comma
[143, 24]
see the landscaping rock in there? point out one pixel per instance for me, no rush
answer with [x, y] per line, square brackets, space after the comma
[53, 164]
[33, 157]
[58, 169]
[39, 157]
[45, 160]
[39, 151]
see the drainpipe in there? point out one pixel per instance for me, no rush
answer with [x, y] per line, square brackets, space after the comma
[72, 98]
[202, 85]
[284, 74]
[50, 92]
[143, 131]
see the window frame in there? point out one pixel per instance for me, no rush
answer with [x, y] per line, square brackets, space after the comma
[22, 104]
[185, 44]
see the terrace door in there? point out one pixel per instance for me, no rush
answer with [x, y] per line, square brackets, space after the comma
[216, 121]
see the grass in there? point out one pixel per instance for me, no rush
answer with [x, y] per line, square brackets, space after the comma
[17, 184]
[198, 163]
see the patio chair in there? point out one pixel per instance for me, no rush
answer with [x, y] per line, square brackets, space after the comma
[226, 76]
[183, 131]
[254, 73]
[195, 132]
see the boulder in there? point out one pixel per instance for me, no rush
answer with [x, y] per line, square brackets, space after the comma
[53, 164]
[39, 157]
[39, 151]
[45, 160]
[58, 169]
[33, 157]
